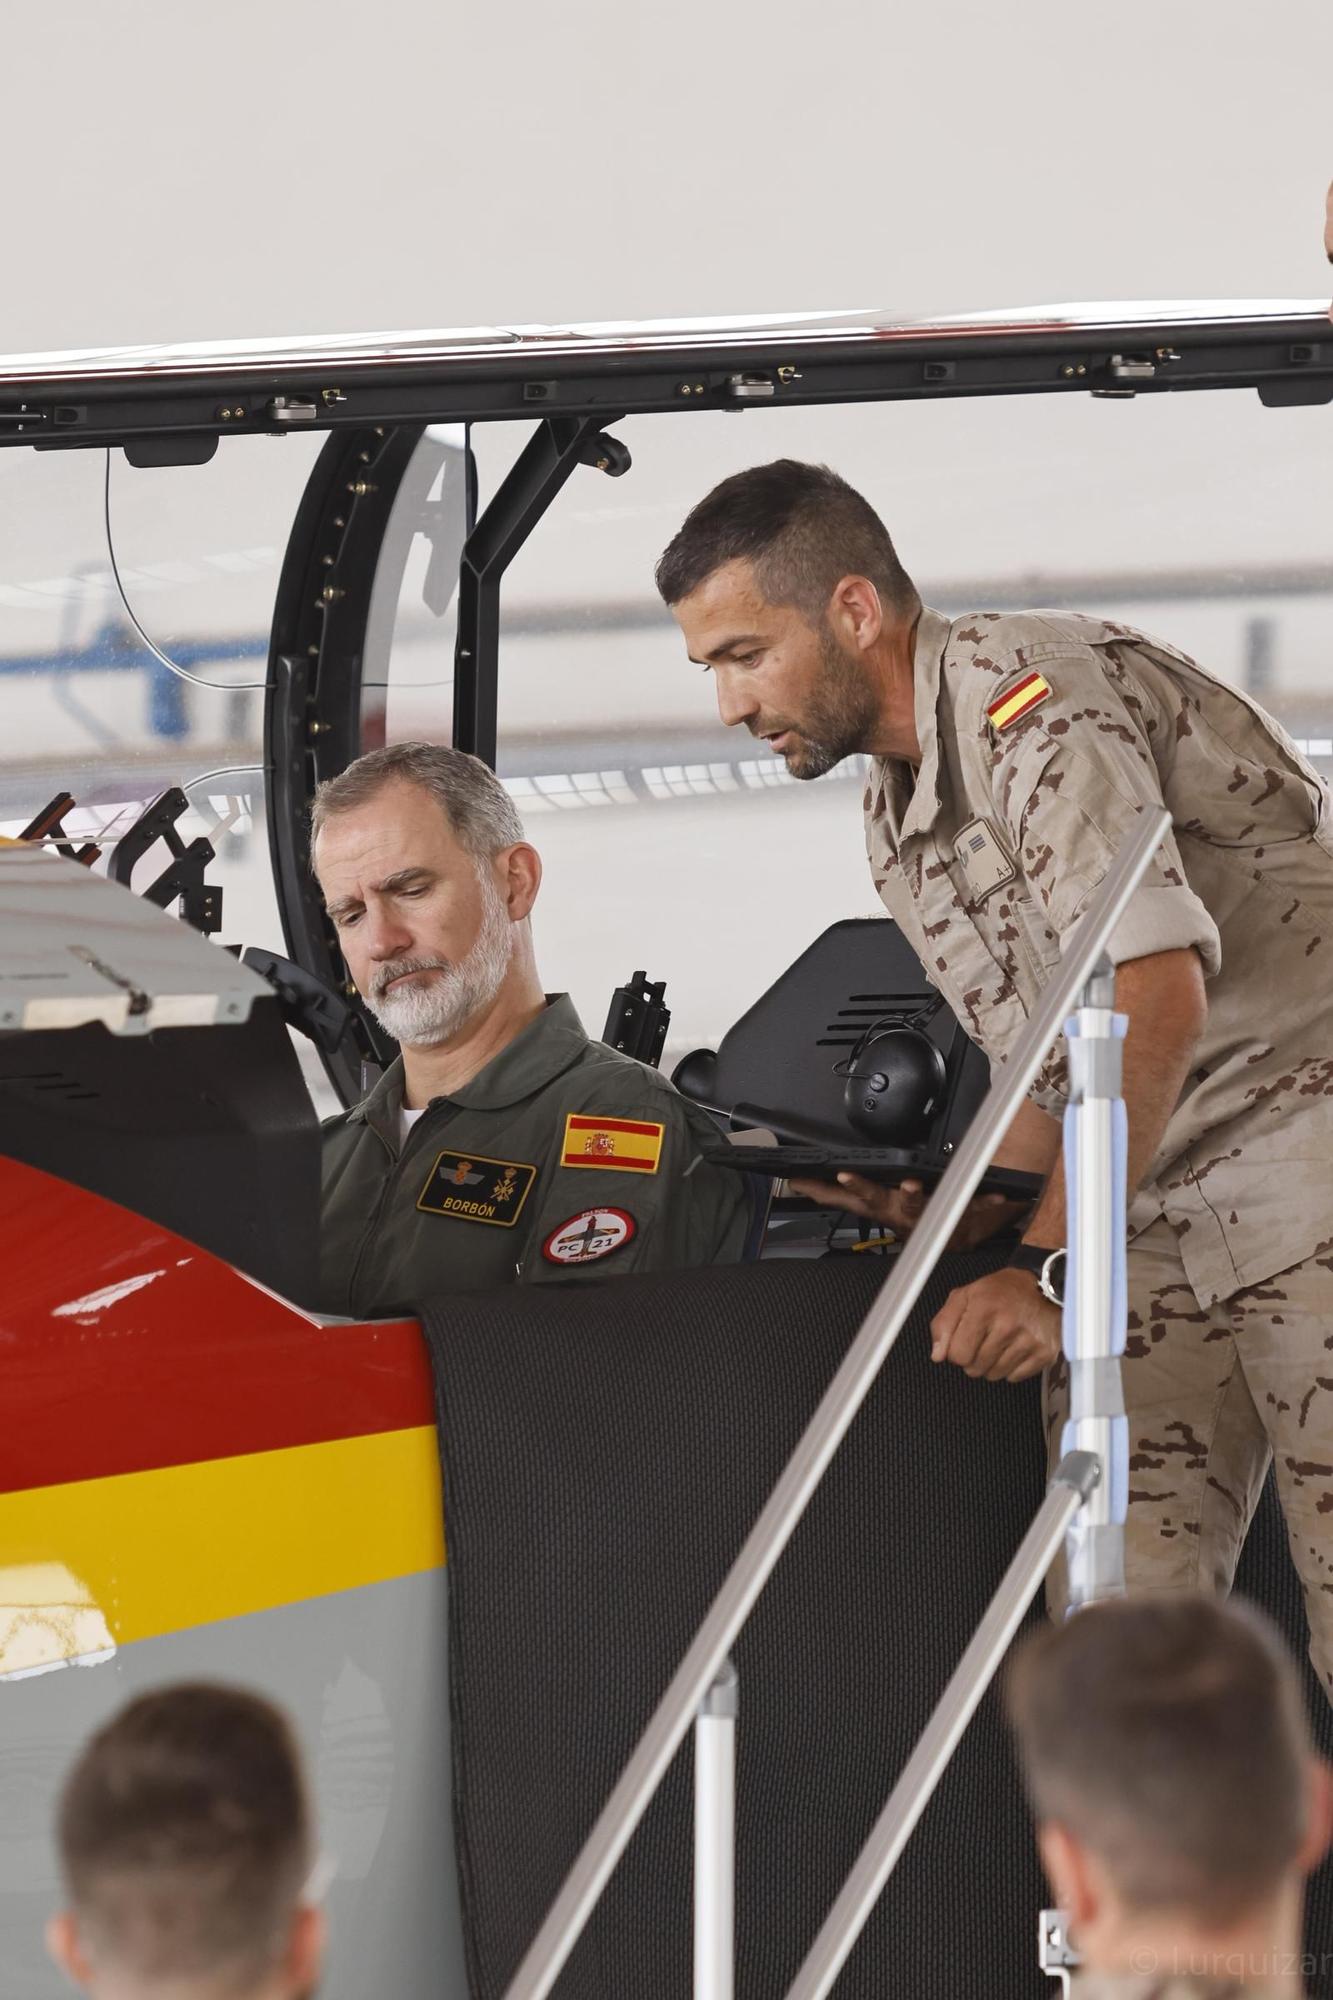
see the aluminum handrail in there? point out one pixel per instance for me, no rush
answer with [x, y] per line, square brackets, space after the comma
[675, 1712]
[1072, 1482]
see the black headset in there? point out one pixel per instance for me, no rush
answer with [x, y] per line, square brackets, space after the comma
[896, 1077]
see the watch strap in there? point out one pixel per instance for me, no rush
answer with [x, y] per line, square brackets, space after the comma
[1046, 1266]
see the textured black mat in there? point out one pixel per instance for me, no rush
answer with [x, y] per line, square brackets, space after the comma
[1267, 1575]
[604, 1456]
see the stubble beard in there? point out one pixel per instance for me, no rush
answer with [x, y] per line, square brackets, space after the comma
[424, 1016]
[838, 719]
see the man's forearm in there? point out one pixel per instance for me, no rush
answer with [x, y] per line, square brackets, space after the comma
[1163, 997]
[1031, 1145]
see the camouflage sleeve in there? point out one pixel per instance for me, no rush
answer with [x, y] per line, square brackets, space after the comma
[625, 1189]
[1069, 778]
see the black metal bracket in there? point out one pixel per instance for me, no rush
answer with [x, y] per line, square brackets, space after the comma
[523, 496]
[182, 881]
[638, 1019]
[607, 454]
[308, 1005]
[49, 825]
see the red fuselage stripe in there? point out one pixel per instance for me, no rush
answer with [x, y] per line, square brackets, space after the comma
[124, 1348]
[211, 1389]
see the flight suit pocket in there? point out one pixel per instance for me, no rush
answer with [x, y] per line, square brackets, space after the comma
[1016, 954]
[983, 990]
[988, 980]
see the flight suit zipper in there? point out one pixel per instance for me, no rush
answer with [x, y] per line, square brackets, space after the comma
[391, 1185]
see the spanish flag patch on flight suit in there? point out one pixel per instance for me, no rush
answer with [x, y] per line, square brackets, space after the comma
[622, 1145]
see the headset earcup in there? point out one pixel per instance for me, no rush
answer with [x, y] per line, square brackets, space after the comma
[895, 1087]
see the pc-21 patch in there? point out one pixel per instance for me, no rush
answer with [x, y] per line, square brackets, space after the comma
[587, 1238]
[474, 1189]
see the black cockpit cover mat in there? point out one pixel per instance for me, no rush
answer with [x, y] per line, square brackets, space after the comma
[604, 1452]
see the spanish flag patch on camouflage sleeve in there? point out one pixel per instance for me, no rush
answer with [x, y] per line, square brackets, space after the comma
[1017, 699]
[627, 1145]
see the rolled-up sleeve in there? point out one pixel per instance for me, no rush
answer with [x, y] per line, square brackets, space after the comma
[1070, 780]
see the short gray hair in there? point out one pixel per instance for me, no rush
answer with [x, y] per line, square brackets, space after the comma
[472, 798]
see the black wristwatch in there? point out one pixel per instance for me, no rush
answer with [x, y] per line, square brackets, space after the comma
[1046, 1266]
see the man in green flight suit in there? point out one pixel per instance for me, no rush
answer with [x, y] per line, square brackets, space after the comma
[502, 1145]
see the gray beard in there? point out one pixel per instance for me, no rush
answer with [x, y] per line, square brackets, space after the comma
[423, 1017]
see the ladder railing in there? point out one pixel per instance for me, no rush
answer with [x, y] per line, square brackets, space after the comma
[1094, 1471]
[1074, 1479]
[697, 1672]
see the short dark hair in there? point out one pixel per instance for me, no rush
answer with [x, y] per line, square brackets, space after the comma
[801, 526]
[185, 1836]
[1167, 1735]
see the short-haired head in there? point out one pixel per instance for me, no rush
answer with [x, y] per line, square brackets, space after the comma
[185, 1840]
[1167, 1736]
[473, 800]
[801, 527]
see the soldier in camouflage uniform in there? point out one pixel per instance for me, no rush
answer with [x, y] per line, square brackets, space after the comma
[1011, 756]
[1179, 1804]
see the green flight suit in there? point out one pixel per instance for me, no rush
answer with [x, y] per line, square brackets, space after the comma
[560, 1159]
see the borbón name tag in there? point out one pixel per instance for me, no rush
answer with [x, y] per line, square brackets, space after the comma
[471, 1188]
[983, 859]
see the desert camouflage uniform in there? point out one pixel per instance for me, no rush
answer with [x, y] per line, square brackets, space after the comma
[1230, 1347]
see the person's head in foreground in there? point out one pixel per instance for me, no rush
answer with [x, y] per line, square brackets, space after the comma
[429, 882]
[185, 1844]
[1179, 1805]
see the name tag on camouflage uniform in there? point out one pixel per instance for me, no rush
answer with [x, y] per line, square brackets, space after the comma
[474, 1189]
[983, 859]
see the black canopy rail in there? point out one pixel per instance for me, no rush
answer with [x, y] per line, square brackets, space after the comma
[194, 395]
[312, 709]
[556, 447]
[312, 714]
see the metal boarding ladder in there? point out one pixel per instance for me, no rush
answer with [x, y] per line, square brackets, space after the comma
[1085, 1501]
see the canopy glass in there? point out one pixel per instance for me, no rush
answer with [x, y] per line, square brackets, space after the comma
[669, 843]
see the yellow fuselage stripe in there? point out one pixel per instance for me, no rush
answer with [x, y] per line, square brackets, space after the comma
[186, 1545]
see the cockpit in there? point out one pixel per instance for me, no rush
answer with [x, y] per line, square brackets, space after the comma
[228, 573]
[233, 571]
